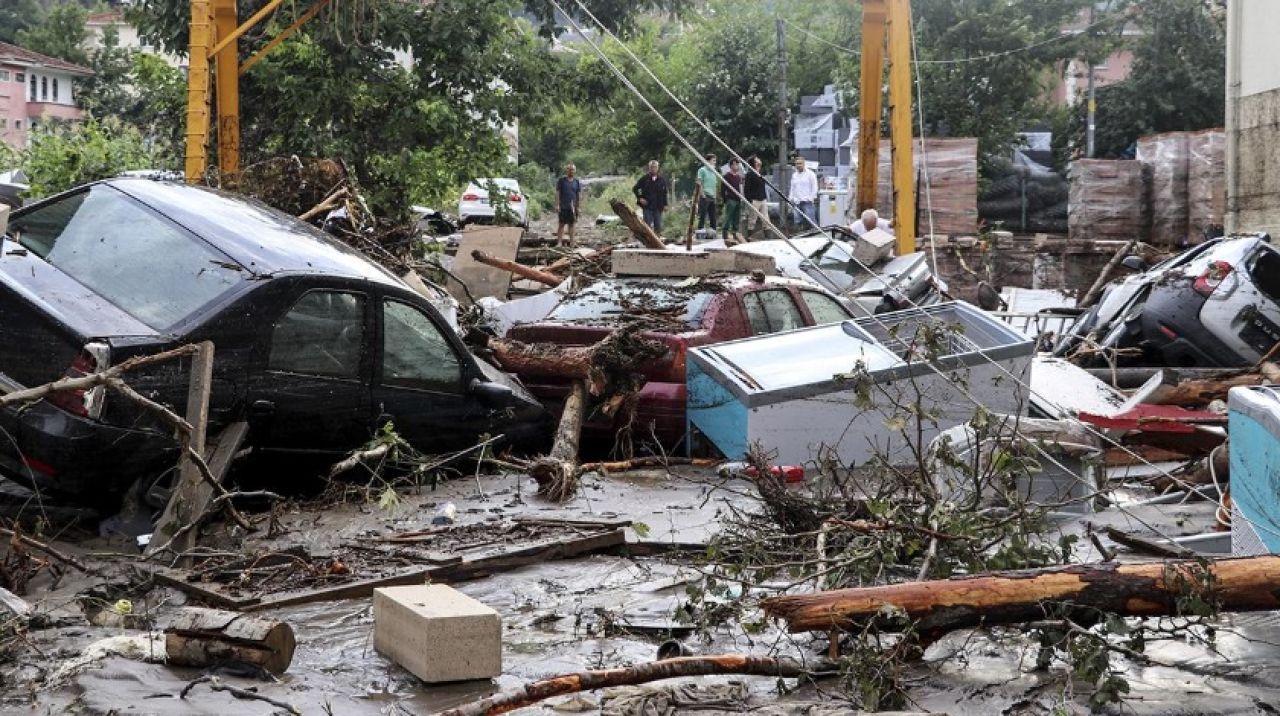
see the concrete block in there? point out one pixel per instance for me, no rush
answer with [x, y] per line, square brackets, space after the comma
[437, 633]
[873, 246]
[698, 262]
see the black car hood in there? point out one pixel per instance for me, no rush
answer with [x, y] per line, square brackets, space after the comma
[64, 299]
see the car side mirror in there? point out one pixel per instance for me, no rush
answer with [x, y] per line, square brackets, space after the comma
[494, 395]
[1134, 263]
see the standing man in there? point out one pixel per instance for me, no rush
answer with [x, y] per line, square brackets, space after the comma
[568, 200]
[804, 195]
[754, 191]
[709, 180]
[651, 195]
[732, 189]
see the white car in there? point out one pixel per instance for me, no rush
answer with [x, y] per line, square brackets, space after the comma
[475, 204]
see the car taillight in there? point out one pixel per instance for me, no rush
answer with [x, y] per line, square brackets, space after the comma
[470, 197]
[516, 198]
[83, 402]
[1212, 278]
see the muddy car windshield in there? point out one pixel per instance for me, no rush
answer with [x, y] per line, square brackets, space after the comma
[149, 267]
[607, 301]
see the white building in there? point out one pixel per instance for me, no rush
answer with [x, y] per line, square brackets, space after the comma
[1253, 116]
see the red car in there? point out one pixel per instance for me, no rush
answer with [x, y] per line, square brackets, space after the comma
[694, 312]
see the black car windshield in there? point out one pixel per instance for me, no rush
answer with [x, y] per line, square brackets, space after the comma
[149, 267]
[607, 301]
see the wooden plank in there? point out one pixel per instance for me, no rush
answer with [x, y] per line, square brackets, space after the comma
[206, 593]
[599, 523]
[347, 590]
[525, 556]
[502, 242]
[225, 447]
[182, 507]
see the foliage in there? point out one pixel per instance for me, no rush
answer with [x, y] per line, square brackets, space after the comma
[61, 156]
[18, 16]
[1178, 80]
[60, 34]
[991, 99]
[106, 92]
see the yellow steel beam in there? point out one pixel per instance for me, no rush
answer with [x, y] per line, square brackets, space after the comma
[904, 175]
[248, 25]
[197, 149]
[227, 78]
[284, 35]
[870, 90]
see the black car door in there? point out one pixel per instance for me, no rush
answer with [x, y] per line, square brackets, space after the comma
[314, 394]
[421, 380]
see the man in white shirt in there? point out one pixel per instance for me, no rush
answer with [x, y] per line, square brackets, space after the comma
[870, 220]
[804, 195]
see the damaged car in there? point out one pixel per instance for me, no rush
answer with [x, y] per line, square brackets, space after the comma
[679, 313]
[827, 257]
[1214, 305]
[316, 346]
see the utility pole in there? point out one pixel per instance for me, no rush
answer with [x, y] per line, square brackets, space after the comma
[780, 177]
[1092, 107]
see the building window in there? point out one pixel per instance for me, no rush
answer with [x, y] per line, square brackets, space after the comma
[17, 124]
[4, 122]
[44, 89]
[19, 77]
[4, 75]
[32, 98]
[55, 89]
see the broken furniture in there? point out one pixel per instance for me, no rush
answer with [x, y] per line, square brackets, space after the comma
[797, 392]
[437, 633]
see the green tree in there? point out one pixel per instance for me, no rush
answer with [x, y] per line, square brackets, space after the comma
[61, 34]
[1178, 79]
[986, 66]
[17, 16]
[63, 155]
[107, 91]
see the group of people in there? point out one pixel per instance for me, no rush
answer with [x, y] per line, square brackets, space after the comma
[715, 191]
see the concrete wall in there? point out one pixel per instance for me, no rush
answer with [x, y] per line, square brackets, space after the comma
[1253, 116]
[1025, 262]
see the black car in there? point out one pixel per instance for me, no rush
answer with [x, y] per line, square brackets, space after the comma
[314, 344]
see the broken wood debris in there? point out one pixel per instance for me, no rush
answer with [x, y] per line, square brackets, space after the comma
[216, 684]
[529, 272]
[642, 231]
[679, 667]
[1083, 590]
[557, 473]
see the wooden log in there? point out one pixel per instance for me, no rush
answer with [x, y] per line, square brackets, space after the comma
[1091, 296]
[1147, 545]
[1196, 393]
[204, 637]
[676, 668]
[641, 230]
[543, 359]
[520, 270]
[557, 473]
[1016, 597]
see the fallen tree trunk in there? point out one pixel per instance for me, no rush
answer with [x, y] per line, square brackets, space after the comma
[641, 230]
[545, 359]
[205, 637]
[557, 473]
[520, 270]
[676, 668]
[1080, 591]
[642, 462]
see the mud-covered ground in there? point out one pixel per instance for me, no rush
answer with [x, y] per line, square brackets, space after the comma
[555, 620]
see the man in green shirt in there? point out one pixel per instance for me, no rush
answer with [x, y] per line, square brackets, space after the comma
[709, 180]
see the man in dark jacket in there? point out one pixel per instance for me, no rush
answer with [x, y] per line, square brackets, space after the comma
[753, 190]
[651, 195]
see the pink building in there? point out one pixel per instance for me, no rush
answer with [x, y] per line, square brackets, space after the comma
[34, 88]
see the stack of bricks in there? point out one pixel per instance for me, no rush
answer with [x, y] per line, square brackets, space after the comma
[1107, 200]
[1206, 182]
[952, 189]
[1164, 158]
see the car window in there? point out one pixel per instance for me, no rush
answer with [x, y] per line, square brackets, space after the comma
[1266, 272]
[608, 301]
[151, 268]
[322, 334]
[823, 308]
[772, 311]
[415, 352]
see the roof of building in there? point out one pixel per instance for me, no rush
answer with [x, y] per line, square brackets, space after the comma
[100, 18]
[20, 56]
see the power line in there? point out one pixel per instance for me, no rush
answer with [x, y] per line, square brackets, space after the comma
[819, 38]
[1026, 48]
